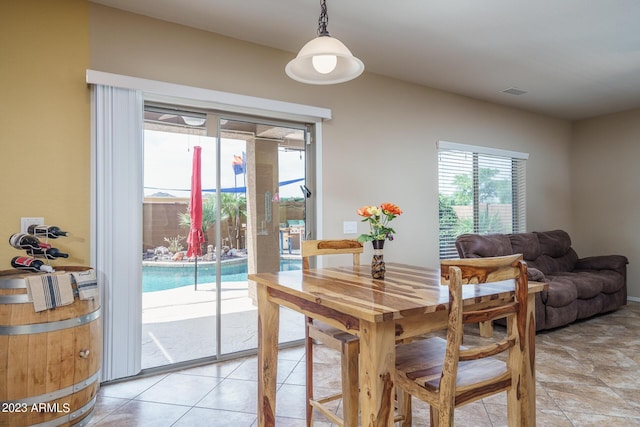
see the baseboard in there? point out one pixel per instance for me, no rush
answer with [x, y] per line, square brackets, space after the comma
[636, 299]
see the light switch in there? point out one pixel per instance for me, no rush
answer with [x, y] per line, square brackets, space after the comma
[350, 227]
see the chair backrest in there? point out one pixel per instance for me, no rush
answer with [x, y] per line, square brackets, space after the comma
[330, 247]
[458, 272]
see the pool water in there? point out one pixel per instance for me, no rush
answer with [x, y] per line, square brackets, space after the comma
[160, 278]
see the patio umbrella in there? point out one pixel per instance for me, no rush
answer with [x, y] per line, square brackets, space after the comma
[196, 236]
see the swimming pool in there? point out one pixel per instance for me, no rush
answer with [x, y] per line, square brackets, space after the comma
[160, 278]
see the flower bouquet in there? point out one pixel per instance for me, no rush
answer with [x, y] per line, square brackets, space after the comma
[378, 218]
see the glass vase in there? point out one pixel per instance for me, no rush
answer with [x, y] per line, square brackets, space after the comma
[377, 263]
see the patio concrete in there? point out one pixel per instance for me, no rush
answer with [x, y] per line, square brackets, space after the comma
[179, 324]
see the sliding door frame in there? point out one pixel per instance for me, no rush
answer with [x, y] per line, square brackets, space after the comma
[101, 241]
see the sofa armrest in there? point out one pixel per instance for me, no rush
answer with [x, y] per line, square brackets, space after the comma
[535, 275]
[603, 262]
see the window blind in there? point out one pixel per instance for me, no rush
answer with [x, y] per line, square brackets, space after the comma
[117, 223]
[481, 191]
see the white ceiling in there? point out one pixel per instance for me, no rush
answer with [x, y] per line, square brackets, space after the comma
[575, 58]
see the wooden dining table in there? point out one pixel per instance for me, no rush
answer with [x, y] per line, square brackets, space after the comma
[410, 301]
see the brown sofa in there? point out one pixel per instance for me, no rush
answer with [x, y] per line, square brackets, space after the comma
[578, 287]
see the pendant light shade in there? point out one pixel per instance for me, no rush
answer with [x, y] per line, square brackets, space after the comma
[324, 60]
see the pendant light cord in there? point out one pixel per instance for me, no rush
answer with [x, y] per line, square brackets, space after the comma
[323, 21]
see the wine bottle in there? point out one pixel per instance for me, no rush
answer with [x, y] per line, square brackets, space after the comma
[50, 231]
[51, 253]
[31, 264]
[27, 241]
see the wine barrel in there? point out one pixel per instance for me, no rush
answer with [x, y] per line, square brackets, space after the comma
[49, 360]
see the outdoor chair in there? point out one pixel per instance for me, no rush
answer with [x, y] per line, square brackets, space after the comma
[444, 373]
[347, 344]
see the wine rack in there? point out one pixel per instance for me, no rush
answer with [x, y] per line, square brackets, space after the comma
[36, 243]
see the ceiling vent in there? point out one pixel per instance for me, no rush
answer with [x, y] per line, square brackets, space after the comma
[514, 91]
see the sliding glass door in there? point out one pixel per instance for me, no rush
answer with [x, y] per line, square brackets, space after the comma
[253, 176]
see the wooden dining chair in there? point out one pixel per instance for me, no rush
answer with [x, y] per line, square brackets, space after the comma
[444, 373]
[347, 344]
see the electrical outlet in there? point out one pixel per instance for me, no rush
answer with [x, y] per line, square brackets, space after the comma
[25, 222]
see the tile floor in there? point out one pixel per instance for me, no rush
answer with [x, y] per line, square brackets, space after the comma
[588, 374]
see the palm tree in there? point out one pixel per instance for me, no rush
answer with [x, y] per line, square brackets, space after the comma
[208, 216]
[232, 207]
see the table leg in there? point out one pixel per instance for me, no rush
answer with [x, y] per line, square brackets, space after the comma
[377, 377]
[521, 399]
[268, 327]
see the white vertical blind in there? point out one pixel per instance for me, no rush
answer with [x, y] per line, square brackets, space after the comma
[481, 191]
[117, 119]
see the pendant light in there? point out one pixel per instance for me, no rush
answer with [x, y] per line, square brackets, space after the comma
[324, 60]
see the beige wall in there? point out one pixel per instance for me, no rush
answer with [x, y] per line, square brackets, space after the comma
[381, 143]
[379, 146]
[45, 122]
[606, 189]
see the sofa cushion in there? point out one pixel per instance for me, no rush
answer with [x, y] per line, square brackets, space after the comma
[610, 281]
[560, 316]
[590, 307]
[526, 244]
[562, 291]
[548, 264]
[554, 243]
[556, 251]
[587, 284]
[540, 312]
[481, 246]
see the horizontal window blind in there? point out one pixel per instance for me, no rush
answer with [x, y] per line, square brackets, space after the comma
[481, 191]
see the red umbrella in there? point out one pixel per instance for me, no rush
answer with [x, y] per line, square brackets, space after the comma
[196, 237]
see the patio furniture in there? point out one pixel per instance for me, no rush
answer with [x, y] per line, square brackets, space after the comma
[296, 228]
[446, 374]
[346, 343]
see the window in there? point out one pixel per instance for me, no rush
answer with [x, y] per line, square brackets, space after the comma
[481, 191]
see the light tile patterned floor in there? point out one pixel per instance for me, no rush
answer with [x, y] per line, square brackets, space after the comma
[588, 374]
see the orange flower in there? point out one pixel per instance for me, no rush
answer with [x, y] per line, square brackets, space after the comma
[390, 208]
